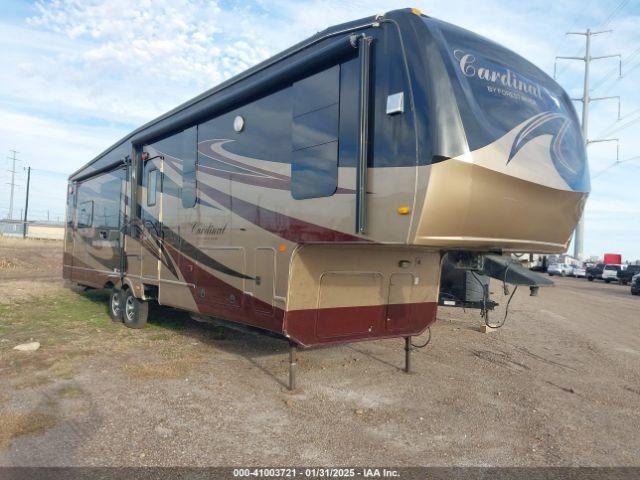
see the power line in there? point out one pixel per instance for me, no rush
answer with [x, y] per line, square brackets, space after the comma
[621, 74]
[614, 164]
[605, 131]
[623, 126]
[615, 12]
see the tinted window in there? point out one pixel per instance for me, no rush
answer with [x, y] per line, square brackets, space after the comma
[107, 205]
[85, 214]
[179, 152]
[314, 139]
[152, 186]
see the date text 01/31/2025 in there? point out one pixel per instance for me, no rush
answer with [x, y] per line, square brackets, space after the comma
[315, 472]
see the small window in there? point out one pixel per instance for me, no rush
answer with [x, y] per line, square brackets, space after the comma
[152, 186]
[85, 214]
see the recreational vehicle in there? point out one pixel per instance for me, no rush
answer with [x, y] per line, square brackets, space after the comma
[315, 195]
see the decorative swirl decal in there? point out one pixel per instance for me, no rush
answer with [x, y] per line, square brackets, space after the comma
[563, 146]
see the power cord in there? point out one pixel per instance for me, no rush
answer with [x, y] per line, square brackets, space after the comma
[425, 343]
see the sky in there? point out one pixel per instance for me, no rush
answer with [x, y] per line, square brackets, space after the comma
[77, 75]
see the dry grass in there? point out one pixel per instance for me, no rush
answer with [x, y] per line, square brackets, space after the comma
[71, 391]
[31, 381]
[63, 368]
[6, 264]
[18, 424]
[174, 369]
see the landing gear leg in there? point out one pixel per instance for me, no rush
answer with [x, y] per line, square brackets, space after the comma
[407, 354]
[292, 366]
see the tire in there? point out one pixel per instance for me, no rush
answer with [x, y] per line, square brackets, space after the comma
[115, 305]
[135, 312]
[607, 281]
[590, 279]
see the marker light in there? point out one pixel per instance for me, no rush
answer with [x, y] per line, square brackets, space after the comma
[282, 248]
[416, 11]
[403, 210]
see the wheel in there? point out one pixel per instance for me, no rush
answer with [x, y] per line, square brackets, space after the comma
[562, 274]
[115, 305]
[607, 281]
[135, 311]
[590, 279]
[551, 274]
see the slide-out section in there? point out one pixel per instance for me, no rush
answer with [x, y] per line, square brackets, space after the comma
[347, 293]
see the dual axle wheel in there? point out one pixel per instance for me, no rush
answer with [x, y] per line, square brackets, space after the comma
[125, 307]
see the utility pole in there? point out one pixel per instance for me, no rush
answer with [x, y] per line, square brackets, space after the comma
[578, 247]
[13, 180]
[26, 205]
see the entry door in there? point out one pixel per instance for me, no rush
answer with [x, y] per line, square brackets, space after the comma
[151, 218]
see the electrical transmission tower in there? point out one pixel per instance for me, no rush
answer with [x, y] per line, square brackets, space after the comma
[13, 180]
[578, 247]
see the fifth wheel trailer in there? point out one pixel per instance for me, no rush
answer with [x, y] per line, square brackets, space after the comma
[316, 194]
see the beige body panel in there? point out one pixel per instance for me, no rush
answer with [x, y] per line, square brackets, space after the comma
[317, 269]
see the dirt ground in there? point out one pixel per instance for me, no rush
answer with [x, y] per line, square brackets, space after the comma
[559, 384]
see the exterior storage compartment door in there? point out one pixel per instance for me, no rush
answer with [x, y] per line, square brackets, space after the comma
[264, 273]
[337, 316]
[399, 308]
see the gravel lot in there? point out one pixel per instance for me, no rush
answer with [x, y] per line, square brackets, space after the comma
[559, 384]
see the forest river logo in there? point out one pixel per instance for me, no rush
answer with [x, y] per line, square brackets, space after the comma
[208, 229]
[500, 78]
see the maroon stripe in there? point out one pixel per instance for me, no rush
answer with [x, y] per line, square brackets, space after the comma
[218, 295]
[325, 326]
[290, 228]
[308, 327]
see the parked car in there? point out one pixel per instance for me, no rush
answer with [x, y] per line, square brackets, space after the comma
[578, 272]
[595, 272]
[610, 273]
[561, 269]
[625, 275]
[635, 284]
